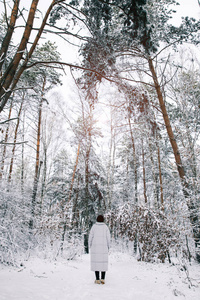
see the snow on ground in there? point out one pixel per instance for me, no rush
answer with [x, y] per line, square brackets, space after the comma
[127, 279]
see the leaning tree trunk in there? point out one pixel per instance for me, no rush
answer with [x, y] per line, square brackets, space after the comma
[7, 39]
[194, 220]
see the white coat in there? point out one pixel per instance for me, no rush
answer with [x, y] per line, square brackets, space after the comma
[99, 244]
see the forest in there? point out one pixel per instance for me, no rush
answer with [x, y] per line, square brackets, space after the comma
[99, 114]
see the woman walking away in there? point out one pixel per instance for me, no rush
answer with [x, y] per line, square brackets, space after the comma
[99, 244]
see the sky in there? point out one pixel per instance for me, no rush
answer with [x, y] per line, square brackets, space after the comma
[189, 8]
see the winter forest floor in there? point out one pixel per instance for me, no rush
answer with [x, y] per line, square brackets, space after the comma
[127, 279]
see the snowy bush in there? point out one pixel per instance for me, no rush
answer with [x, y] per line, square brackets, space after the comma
[50, 249]
[155, 236]
[14, 237]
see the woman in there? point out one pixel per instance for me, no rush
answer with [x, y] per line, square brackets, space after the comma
[99, 244]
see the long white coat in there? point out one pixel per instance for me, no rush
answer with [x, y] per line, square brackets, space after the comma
[99, 244]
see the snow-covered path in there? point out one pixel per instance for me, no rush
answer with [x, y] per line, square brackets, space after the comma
[126, 279]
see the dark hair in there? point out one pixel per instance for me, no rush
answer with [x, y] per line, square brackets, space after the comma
[100, 219]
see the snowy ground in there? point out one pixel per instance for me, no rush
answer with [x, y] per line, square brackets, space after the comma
[126, 279]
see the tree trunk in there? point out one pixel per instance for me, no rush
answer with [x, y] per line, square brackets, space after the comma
[44, 178]
[192, 207]
[153, 173]
[5, 141]
[87, 174]
[15, 140]
[111, 166]
[22, 167]
[75, 212]
[37, 163]
[144, 174]
[11, 26]
[160, 178]
[74, 172]
[69, 198]
[134, 159]
[87, 196]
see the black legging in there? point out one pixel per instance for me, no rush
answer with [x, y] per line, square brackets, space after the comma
[103, 274]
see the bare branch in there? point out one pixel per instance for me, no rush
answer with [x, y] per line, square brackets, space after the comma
[68, 65]
[6, 15]
[62, 31]
[77, 10]
[11, 144]
[4, 122]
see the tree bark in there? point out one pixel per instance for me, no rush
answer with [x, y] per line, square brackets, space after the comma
[87, 193]
[15, 140]
[22, 167]
[6, 41]
[75, 212]
[37, 163]
[74, 172]
[6, 139]
[111, 165]
[134, 159]
[160, 178]
[69, 198]
[44, 177]
[153, 173]
[88, 130]
[144, 174]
